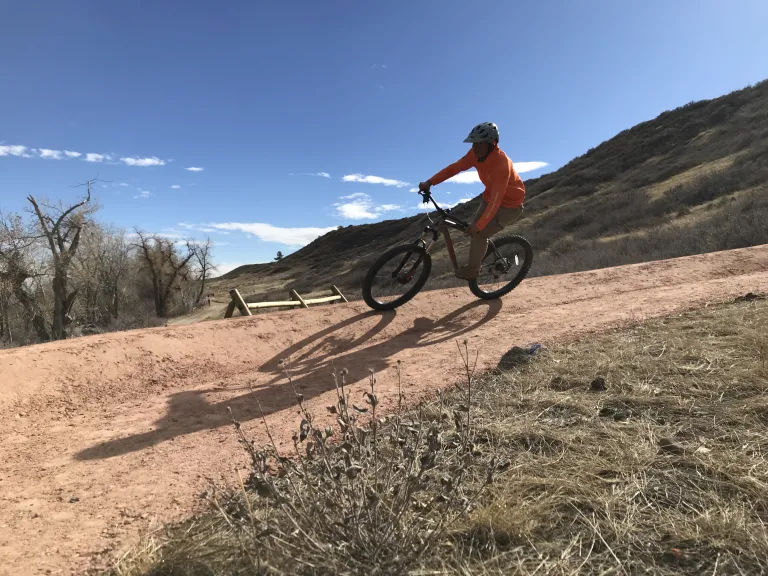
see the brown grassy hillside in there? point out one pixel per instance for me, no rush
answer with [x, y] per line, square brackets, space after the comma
[692, 180]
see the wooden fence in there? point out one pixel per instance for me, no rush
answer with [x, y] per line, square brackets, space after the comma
[296, 301]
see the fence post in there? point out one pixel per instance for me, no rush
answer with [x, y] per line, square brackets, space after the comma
[239, 302]
[336, 291]
[295, 296]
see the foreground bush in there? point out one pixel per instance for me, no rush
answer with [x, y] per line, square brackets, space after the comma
[643, 451]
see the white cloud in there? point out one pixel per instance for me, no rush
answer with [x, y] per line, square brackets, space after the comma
[15, 150]
[413, 190]
[361, 207]
[123, 184]
[225, 267]
[143, 194]
[194, 169]
[175, 186]
[471, 177]
[523, 167]
[364, 179]
[153, 161]
[357, 210]
[269, 233]
[50, 154]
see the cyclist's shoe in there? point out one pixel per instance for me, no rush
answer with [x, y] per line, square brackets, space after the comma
[464, 273]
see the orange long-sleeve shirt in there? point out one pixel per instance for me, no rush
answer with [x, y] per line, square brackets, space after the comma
[503, 185]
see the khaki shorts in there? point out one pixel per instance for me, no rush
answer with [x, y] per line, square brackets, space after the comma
[504, 217]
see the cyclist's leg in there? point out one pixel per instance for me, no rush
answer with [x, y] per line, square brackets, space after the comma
[479, 243]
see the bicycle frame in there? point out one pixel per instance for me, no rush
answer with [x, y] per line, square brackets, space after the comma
[443, 223]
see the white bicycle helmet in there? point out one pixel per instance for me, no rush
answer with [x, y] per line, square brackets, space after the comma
[483, 132]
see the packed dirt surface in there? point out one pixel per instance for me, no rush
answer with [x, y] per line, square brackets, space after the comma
[105, 437]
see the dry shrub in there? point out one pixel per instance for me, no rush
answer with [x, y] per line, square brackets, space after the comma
[663, 470]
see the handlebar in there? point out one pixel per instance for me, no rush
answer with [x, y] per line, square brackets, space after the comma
[445, 212]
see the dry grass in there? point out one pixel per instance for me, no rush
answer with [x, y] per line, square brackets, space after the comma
[665, 471]
[658, 189]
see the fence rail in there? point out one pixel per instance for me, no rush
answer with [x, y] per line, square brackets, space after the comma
[296, 301]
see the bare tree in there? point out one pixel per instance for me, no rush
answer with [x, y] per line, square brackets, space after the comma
[115, 262]
[61, 228]
[101, 273]
[204, 265]
[165, 265]
[17, 267]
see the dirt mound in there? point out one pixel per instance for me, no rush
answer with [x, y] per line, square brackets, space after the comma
[106, 436]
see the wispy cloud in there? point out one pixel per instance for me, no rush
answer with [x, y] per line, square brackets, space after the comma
[143, 194]
[175, 187]
[206, 228]
[320, 174]
[15, 150]
[198, 227]
[91, 157]
[360, 206]
[50, 154]
[413, 190]
[269, 233]
[71, 154]
[153, 161]
[366, 179]
[194, 169]
[123, 184]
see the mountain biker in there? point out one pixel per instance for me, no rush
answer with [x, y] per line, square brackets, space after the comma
[502, 202]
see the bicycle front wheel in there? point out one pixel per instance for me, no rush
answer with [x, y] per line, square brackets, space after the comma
[396, 277]
[503, 268]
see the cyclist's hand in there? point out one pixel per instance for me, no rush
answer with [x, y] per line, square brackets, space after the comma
[425, 186]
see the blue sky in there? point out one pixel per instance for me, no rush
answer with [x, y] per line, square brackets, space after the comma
[306, 115]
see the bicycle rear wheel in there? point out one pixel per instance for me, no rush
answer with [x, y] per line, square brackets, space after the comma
[396, 277]
[503, 268]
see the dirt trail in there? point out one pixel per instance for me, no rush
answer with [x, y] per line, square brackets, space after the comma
[107, 436]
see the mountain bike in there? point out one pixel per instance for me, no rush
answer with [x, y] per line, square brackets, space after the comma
[407, 267]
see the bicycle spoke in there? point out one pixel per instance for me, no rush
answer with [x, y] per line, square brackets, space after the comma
[501, 266]
[395, 279]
